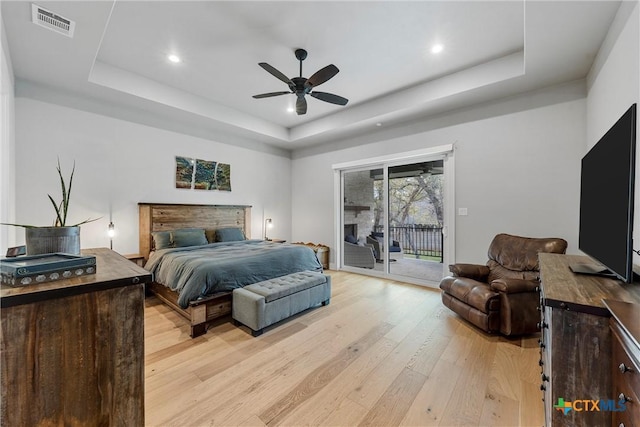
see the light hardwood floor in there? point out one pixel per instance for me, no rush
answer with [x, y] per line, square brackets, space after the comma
[382, 353]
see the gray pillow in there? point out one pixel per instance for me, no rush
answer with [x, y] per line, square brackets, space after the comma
[231, 234]
[161, 239]
[188, 237]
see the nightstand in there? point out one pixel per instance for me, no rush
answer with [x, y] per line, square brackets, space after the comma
[137, 258]
[322, 252]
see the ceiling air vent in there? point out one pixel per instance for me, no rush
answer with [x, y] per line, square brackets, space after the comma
[48, 19]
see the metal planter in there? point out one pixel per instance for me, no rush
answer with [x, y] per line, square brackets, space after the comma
[46, 240]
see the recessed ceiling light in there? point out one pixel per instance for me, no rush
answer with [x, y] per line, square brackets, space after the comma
[437, 48]
[174, 58]
[379, 124]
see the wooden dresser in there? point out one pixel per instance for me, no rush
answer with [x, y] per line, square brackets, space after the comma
[625, 366]
[576, 343]
[73, 350]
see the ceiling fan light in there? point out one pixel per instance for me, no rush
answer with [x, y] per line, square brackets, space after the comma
[437, 48]
[173, 58]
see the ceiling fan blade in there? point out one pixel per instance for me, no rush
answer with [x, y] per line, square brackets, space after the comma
[301, 105]
[267, 95]
[274, 72]
[329, 97]
[321, 76]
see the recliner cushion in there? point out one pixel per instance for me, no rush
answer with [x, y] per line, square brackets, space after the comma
[497, 271]
[516, 257]
[521, 253]
[488, 322]
[476, 294]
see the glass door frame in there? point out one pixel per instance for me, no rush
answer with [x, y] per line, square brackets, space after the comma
[340, 222]
[444, 152]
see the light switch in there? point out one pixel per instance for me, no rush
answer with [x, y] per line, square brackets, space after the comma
[462, 212]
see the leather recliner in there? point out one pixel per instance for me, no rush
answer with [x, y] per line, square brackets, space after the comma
[503, 295]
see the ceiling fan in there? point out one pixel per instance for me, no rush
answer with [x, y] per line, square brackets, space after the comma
[301, 86]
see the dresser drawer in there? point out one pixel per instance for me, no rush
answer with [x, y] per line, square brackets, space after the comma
[631, 415]
[625, 377]
[621, 419]
[625, 368]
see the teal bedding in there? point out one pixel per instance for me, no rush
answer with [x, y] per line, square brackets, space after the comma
[197, 271]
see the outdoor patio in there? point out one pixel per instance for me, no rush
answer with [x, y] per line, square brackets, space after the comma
[417, 268]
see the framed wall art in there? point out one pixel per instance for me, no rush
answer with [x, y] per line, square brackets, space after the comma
[201, 174]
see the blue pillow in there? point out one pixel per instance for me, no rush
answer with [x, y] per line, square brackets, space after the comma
[161, 239]
[188, 237]
[231, 234]
[351, 239]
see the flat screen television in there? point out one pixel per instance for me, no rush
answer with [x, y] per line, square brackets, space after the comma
[606, 200]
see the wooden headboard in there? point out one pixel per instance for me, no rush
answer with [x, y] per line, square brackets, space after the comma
[167, 216]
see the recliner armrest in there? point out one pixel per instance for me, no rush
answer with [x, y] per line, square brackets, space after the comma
[514, 286]
[472, 271]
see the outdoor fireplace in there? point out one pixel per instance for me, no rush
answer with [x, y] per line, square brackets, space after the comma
[351, 229]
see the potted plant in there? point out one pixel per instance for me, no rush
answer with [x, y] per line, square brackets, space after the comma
[59, 237]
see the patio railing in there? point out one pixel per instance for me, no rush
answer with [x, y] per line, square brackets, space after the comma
[417, 239]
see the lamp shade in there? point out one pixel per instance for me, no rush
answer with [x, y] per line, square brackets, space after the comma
[268, 223]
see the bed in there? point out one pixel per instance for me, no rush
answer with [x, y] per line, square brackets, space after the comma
[197, 280]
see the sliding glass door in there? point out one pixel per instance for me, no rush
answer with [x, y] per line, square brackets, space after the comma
[361, 197]
[394, 218]
[416, 219]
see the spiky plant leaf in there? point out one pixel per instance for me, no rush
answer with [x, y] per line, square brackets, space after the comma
[61, 208]
[58, 221]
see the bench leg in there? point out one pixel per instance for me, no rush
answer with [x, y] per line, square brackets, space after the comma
[326, 302]
[257, 333]
[199, 329]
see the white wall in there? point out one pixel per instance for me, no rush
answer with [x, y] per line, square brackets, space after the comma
[614, 84]
[517, 170]
[613, 81]
[7, 143]
[119, 164]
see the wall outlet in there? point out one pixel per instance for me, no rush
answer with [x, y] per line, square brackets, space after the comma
[462, 212]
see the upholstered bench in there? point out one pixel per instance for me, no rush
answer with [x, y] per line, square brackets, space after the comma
[264, 303]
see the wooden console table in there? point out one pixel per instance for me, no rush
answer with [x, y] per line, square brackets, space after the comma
[73, 350]
[576, 343]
